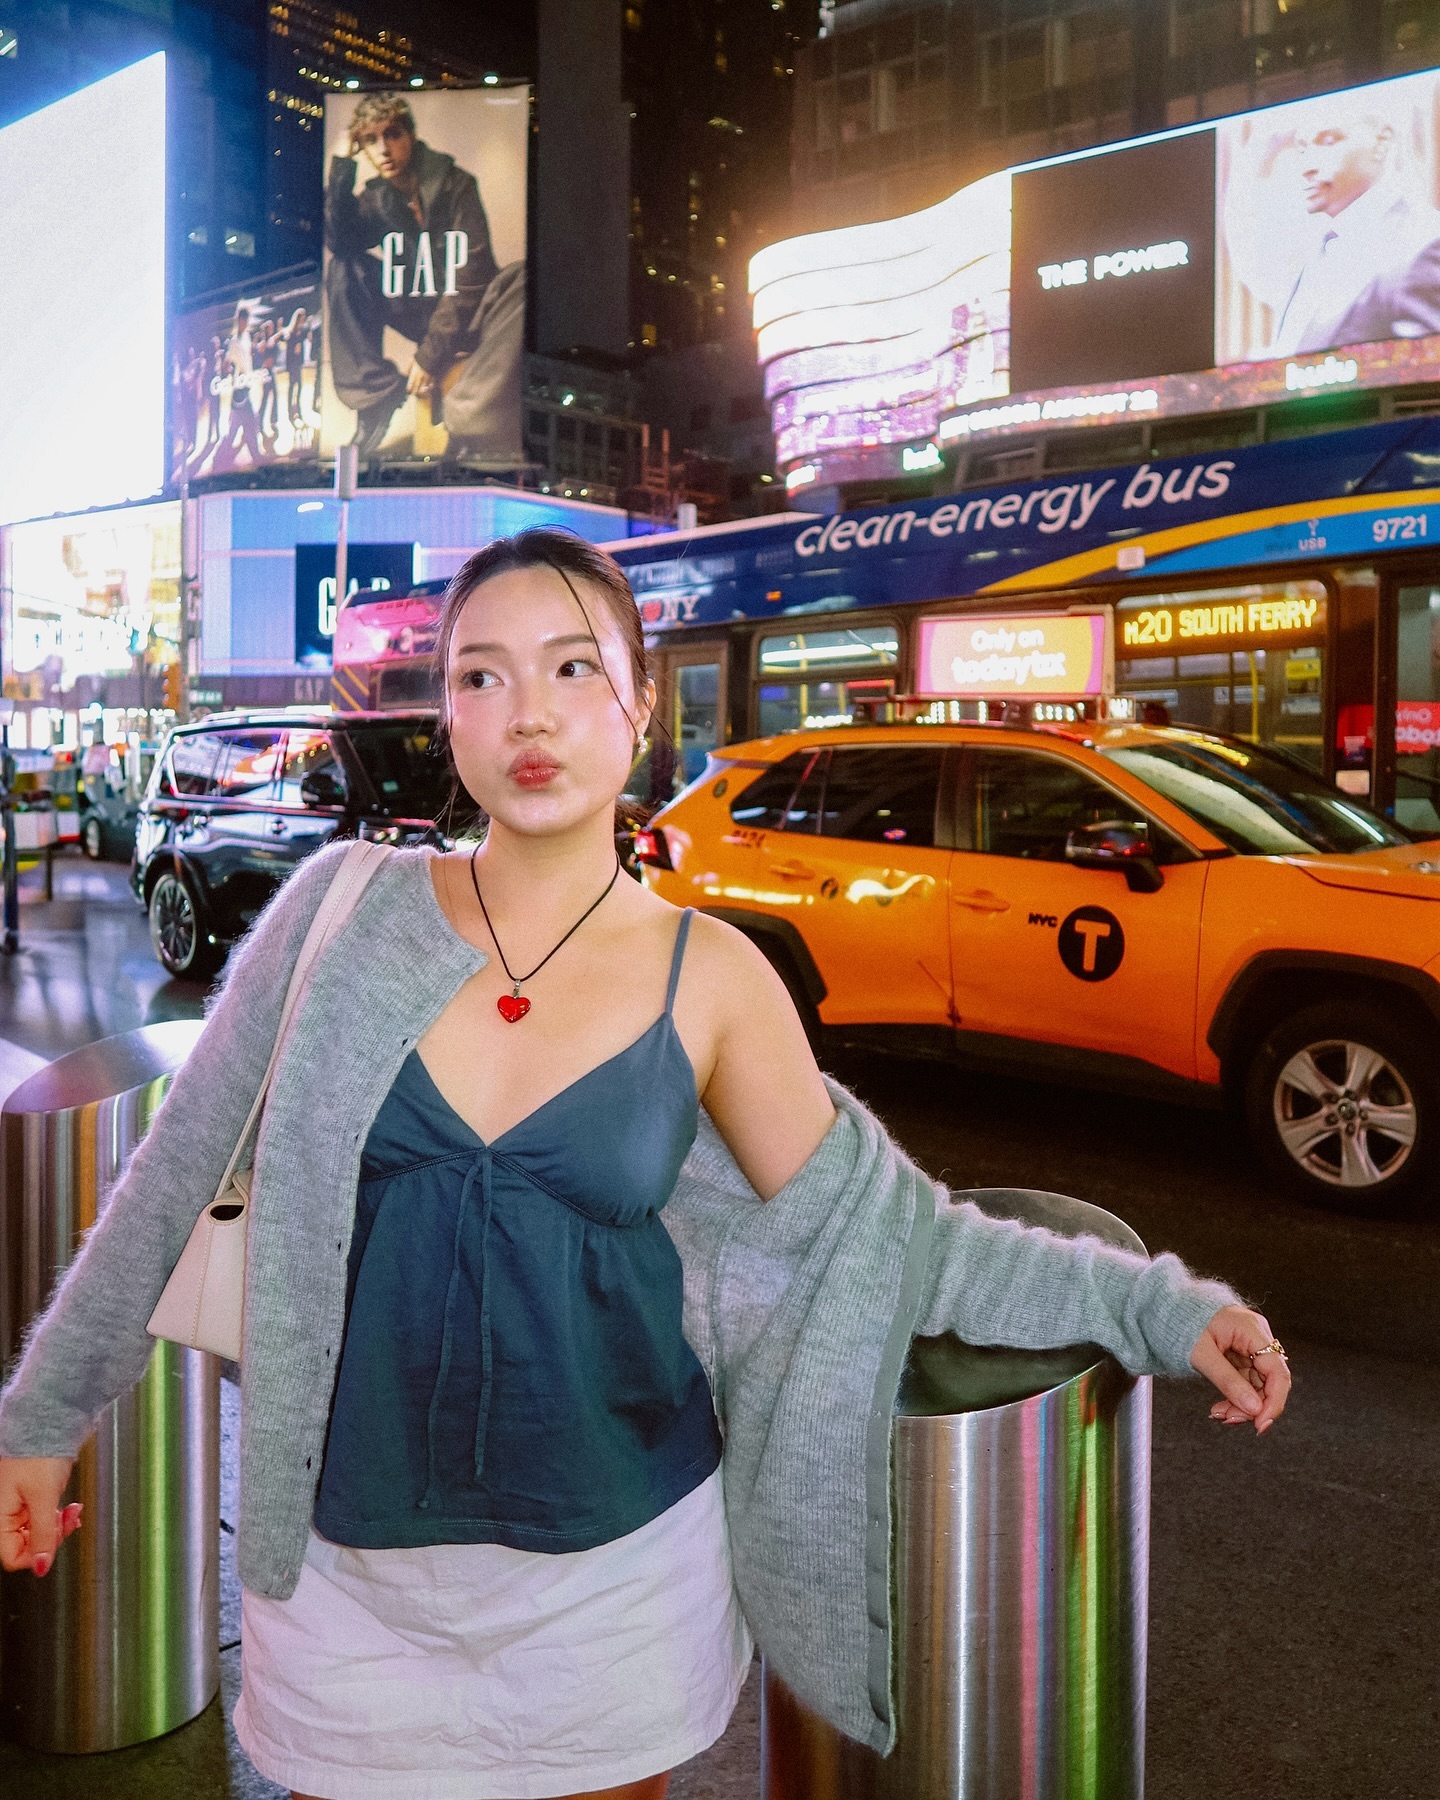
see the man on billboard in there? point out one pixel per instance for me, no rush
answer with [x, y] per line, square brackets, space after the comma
[434, 281]
[1374, 272]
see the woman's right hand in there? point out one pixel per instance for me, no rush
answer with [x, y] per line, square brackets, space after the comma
[32, 1524]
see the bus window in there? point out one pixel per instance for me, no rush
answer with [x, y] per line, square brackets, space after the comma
[799, 688]
[1248, 661]
[1417, 722]
[695, 720]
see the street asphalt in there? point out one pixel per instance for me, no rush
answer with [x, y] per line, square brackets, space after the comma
[1295, 1581]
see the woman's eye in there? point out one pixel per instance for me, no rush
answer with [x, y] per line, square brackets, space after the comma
[577, 665]
[477, 678]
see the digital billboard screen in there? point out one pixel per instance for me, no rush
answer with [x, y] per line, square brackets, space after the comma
[244, 379]
[380, 570]
[1113, 261]
[1260, 258]
[1015, 655]
[82, 302]
[424, 274]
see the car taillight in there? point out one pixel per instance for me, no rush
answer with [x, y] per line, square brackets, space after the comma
[651, 847]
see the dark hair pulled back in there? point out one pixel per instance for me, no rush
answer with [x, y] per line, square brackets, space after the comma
[573, 560]
[579, 565]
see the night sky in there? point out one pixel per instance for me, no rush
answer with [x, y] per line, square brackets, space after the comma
[493, 34]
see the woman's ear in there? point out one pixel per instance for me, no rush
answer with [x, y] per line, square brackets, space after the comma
[645, 711]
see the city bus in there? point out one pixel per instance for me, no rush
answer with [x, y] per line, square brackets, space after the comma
[1287, 593]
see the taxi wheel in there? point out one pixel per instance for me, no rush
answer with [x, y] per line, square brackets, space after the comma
[1344, 1105]
[92, 839]
[177, 930]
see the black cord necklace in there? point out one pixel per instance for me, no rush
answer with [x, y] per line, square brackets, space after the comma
[513, 1006]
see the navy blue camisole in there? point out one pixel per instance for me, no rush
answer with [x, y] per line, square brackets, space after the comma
[513, 1370]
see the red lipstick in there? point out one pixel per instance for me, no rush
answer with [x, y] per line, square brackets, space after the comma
[534, 769]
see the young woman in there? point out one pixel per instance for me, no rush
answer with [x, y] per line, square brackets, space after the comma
[483, 1535]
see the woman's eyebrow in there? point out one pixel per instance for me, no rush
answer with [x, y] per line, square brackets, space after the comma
[550, 643]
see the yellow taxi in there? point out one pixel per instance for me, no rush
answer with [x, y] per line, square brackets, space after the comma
[1149, 908]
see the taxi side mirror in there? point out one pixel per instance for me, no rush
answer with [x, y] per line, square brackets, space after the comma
[1120, 845]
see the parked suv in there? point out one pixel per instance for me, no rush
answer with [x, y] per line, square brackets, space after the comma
[1160, 910]
[235, 803]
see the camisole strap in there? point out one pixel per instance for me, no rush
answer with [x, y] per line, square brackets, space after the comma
[678, 957]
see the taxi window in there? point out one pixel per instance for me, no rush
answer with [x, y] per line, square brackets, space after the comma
[1027, 805]
[882, 795]
[1256, 801]
[786, 797]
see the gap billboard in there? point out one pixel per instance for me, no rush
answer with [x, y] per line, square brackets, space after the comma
[424, 274]
[1283, 252]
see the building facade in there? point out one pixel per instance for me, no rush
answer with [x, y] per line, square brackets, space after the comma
[217, 117]
[899, 103]
[709, 89]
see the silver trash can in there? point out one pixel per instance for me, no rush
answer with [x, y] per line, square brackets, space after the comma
[120, 1641]
[1021, 1483]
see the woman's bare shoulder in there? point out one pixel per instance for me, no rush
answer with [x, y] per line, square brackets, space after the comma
[733, 961]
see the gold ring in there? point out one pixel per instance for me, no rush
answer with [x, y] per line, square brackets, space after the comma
[1273, 1348]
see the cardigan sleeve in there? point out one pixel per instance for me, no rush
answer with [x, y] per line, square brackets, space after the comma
[91, 1344]
[995, 1281]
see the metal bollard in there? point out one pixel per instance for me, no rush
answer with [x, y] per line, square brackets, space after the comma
[1021, 1484]
[120, 1642]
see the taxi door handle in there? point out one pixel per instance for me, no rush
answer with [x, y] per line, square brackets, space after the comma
[792, 871]
[982, 900]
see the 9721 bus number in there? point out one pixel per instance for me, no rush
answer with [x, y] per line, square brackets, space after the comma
[1399, 528]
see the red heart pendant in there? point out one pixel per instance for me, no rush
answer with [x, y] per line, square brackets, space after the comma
[513, 1008]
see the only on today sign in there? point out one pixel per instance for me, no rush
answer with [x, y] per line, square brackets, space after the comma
[1016, 656]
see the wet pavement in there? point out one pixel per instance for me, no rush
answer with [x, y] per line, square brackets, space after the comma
[85, 969]
[1295, 1582]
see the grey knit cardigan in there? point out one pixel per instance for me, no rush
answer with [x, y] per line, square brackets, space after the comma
[800, 1310]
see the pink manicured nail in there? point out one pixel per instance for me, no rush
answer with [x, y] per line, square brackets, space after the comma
[41, 1565]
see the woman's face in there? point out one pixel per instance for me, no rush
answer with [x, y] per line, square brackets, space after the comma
[538, 739]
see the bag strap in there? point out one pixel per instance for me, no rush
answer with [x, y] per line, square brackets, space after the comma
[362, 860]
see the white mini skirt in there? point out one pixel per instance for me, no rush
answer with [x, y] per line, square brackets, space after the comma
[476, 1672]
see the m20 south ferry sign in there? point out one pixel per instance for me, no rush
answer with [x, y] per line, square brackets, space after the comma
[1340, 494]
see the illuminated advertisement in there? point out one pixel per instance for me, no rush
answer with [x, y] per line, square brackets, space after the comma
[424, 273]
[383, 631]
[866, 334]
[1015, 656]
[380, 569]
[82, 304]
[92, 597]
[1281, 253]
[1306, 498]
[244, 380]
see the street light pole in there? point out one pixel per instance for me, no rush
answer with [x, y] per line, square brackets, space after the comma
[187, 599]
[347, 469]
[10, 942]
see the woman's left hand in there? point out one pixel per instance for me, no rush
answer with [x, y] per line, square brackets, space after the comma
[1237, 1352]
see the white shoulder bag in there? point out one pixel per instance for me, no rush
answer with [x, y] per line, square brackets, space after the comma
[203, 1304]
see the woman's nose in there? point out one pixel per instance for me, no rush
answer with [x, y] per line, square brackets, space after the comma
[531, 715]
